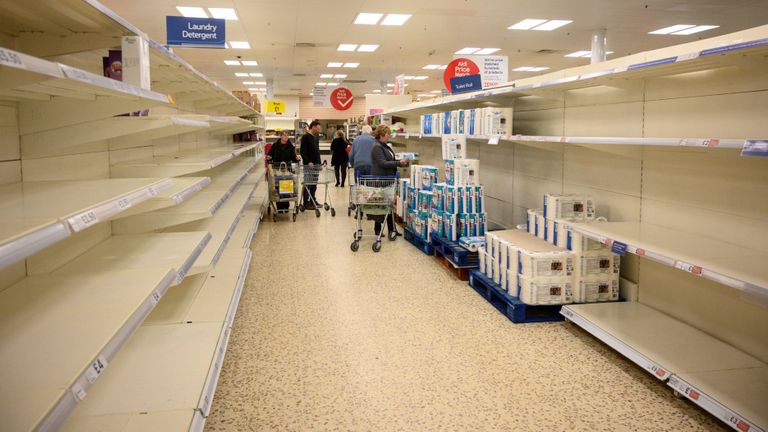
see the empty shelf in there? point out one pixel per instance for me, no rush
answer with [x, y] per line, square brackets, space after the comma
[221, 226]
[79, 320]
[181, 191]
[178, 164]
[172, 363]
[723, 262]
[34, 215]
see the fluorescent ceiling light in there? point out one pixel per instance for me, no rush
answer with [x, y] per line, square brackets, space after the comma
[467, 50]
[522, 69]
[579, 54]
[367, 48]
[192, 12]
[346, 47]
[241, 74]
[486, 51]
[249, 83]
[260, 83]
[672, 29]
[527, 24]
[696, 29]
[340, 76]
[395, 19]
[390, 85]
[326, 75]
[331, 84]
[223, 13]
[377, 91]
[436, 91]
[231, 62]
[335, 64]
[250, 63]
[420, 77]
[538, 69]
[552, 24]
[239, 45]
[311, 94]
[389, 91]
[530, 69]
[368, 18]
[256, 74]
[321, 84]
[431, 67]
[253, 89]
[426, 95]
[351, 65]
[409, 77]
[443, 67]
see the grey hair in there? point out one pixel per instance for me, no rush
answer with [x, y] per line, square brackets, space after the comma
[367, 130]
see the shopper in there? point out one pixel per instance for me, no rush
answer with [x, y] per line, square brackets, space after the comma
[360, 156]
[310, 155]
[282, 151]
[383, 163]
[339, 157]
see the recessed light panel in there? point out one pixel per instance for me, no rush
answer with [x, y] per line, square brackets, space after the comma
[552, 24]
[223, 13]
[335, 64]
[367, 48]
[395, 19]
[260, 83]
[431, 67]
[241, 74]
[377, 91]
[527, 24]
[340, 76]
[468, 50]
[250, 63]
[248, 83]
[231, 62]
[331, 84]
[420, 77]
[346, 47]
[351, 65]
[368, 18]
[256, 74]
[239, 45]
[436, 91]
[672, 29]
[486, 51]
[192, 12]
[326, 75]
[321, 84]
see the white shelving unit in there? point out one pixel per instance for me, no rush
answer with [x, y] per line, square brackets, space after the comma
[729, 264]
[179, 164]
[35, 215]
[690, 359]
[182, 190]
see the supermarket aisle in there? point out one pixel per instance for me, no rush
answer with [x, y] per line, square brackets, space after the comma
[325, 339]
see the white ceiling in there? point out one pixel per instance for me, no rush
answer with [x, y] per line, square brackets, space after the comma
[436, 30]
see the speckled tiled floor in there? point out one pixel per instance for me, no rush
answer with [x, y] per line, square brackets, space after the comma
[326, 339]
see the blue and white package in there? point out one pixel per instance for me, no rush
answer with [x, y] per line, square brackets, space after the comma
[454, 199]
[462, 229]
[413, 198]
[472, 116]
[472, 244]
[438, 197]
[425, 202]
[461, 122]
[428, 177]
[482, 224]
[472, 220]
[447, 122]
[450, 168]
[449, 226]
[436, 224]
[479, 199]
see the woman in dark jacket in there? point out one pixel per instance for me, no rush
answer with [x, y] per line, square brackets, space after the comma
[383, 163]
[339, 157]
[282, 151]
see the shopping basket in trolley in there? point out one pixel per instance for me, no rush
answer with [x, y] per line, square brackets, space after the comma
[314, 175]
[373, 196]
[284, 186]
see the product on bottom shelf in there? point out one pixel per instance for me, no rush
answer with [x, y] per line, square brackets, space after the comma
[572, 207]
[597, 289]
[546, 291]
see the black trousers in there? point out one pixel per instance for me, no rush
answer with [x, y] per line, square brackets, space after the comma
[312, 189]
[343, 170]
[390, 225]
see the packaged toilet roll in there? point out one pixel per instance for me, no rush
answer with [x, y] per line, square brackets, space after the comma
[454, 199]
[436, 224]
[546, 291]
[423, 176]
[512, 283]
[496, 272]
[462, 172]
[546, 264]
[598, 263]
[463, 227]
[489, 242]
[438, 196]
[572, 207]
[600, 289]
[425, 201]
[481, 258]
[482, 223]
[449, 226]
[530, 221]
[541, 226]
[472, 244]
[579, 243]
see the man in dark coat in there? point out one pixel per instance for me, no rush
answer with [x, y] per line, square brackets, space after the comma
[310, 155]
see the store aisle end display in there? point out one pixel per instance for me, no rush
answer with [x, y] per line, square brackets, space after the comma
[132, 202]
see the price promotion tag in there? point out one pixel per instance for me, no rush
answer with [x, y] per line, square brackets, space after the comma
[96, 369]
[619, 248]
[658, 371]
[686, 267]
[11, 58]
[83, 220]
[494, 139]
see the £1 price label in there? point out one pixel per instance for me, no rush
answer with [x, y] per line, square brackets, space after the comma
[96, 369]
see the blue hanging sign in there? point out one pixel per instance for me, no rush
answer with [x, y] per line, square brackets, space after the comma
[466, 83]
[195, 32]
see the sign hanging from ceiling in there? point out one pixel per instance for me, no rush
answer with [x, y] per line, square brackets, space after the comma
[195, 32]
[492, 70]
[276, 107]
[462, 75]
[342, 99]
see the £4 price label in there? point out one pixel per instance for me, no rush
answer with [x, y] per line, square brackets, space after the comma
[96, 368]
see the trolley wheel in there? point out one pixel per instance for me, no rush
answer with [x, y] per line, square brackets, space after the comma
[274, 218]
[349, 212]
[293, 217]
[354, 246]
[392, 236]
[317, 212]
[326, 207]
[301, 207]
[376, 246]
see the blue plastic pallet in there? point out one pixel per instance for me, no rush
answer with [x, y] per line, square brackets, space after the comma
[517, 311]
[420, 243]
[454, 253]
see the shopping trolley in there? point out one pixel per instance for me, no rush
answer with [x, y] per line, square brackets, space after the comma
[284, 187]
[315, 175]
[373, 196]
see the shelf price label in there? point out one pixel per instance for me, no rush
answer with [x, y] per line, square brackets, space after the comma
[755, 148]
[11, 58]
[123, 203]
[660, 372]
[96, 368]
[155, 297]
[619, 248]
[79, 392]
[83, 220]
[686, 267]
[737, 422]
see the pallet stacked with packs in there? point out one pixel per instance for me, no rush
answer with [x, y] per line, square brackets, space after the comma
[476, 121]
[419, 198]
[596, 267]
[458, 208]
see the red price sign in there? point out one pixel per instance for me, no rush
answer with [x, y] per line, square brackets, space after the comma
[458, 68]
[342, 99]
